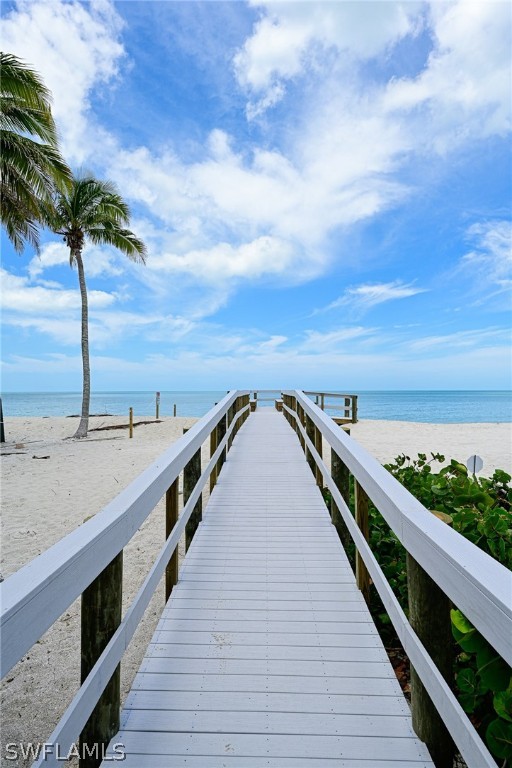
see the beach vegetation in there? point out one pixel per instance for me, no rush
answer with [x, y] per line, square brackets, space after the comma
[480, 509]
[30, 162]
[91, 210]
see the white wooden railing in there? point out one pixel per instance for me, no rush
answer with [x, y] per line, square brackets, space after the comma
[476, 583]
[34, 597]
[344, 405]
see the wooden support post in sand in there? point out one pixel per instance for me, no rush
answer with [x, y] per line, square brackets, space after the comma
[354, 409]
[361, 504]
[191, 475]
[171, 518]
[157, 406]
[429, 616]
[101, 616]
[131, 422]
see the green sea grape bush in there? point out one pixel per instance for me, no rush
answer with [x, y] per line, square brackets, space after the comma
[484, 682]
[481, 510]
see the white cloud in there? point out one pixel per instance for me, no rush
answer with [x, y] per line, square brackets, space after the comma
[459, 340]
[98, 260]
[258, 213]
[320, 342]
[19, 295]
[52, 310]
[75, 47]
[286, 39]
[364, 297]
[489, 265]
[223, 262]
[464, 91]
[243, 212]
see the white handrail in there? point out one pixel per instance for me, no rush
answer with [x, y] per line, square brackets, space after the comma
[76, 715]
[472, 748]
[34, 597]
[476, 583]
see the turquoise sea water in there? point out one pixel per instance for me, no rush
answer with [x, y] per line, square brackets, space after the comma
[423, 406]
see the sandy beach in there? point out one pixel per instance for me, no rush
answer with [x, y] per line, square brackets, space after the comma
[50, 485]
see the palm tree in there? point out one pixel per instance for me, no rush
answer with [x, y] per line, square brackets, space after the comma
[30, 162]
[92, 210]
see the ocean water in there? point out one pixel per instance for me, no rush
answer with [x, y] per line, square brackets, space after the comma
[422, 406]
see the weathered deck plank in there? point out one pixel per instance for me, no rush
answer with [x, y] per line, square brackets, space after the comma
[266, 654]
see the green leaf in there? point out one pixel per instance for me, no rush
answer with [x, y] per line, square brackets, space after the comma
[502, 703]
[460, 621]
[466, 681]
[493, 671]
[471, 641]
[468, 702]
[499, 738]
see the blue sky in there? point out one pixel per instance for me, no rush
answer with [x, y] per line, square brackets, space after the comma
[324, 189]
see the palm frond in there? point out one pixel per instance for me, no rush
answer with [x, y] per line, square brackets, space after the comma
[94, 210]
[40, 164]
[30, 163]
[16, 116]
[122, 239]
[24, 86]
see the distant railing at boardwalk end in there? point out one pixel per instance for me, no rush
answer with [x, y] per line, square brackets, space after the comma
[345, 406]
[476, 583]
[88, 562]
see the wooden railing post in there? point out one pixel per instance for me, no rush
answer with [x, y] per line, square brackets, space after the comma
[341, 477]
[429, 616]
[221, 431]
[361, 510]
[229, 419]
[310, 431]
[354, 409]
[236, 408]
[213, 448]
[171, 518]
[101, 616]
[191, 475]
[293, 405]
[318, 446]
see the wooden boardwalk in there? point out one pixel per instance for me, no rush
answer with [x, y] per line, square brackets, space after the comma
[266, 654]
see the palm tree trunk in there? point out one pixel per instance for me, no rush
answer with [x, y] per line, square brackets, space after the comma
[86, 385]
